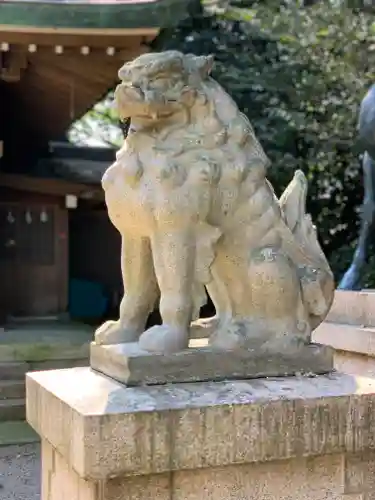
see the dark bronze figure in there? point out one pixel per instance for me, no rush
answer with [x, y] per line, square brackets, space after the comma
[353, 278]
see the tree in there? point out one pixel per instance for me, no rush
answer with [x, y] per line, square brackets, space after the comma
[99, 127]
[299, 74]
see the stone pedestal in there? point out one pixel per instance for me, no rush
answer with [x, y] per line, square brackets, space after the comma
[294, 438]
[350, 330]
[128, 364]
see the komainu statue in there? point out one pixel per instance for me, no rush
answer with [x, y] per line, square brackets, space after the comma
[188, 192]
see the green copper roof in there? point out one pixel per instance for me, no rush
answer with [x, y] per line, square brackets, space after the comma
[92, 14]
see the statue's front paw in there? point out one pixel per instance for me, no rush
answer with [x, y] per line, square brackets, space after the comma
[164, 339]
[111, 332]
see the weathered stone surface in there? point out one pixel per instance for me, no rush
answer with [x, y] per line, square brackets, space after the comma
[17, 433]
[128, 364]
[12, 409]
[30, 352]
[12, 389]
[349, 338]
[316, 478]
[13, 370]
[353, 308]
[349, 329]
[189, 195]
[104, 429]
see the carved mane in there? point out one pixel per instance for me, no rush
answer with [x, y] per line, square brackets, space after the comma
[212, 123]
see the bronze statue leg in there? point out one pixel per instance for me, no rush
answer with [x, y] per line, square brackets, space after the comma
[352, 279]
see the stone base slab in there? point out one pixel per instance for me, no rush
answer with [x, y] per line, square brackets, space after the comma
[350, 330]
[353, 308]
[106, 430]
[128, 364]
[348, 338]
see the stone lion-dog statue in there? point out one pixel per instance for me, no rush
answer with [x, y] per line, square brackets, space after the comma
[188, 192]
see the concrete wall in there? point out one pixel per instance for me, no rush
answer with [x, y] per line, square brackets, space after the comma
[350, 330]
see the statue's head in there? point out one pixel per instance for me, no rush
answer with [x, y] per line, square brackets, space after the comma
[156, 86]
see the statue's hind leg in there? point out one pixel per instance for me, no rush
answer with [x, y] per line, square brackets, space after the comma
[272, 315]
[276, 296]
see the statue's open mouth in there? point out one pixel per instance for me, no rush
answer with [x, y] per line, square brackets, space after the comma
[147, 106]
[156, 115]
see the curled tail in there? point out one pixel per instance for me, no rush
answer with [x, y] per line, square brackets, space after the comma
[316, 277]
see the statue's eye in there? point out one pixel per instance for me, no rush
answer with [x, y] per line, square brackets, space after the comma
[162, 82]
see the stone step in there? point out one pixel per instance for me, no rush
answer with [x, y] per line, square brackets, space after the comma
[41, 351]
[18, 370]
[12, 389]
[353, 308]
[16, 433]
[58, 364]
[12, 409]
[346, 337]
[13, 370]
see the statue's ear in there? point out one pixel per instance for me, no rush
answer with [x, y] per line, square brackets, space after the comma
[204, 65]
[124, 73]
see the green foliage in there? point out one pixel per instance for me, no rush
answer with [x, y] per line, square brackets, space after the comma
[99, 126]
[299, 74]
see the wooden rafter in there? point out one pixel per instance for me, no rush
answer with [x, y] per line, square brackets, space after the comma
[57, 187]
[12, 63]
[70, 80]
